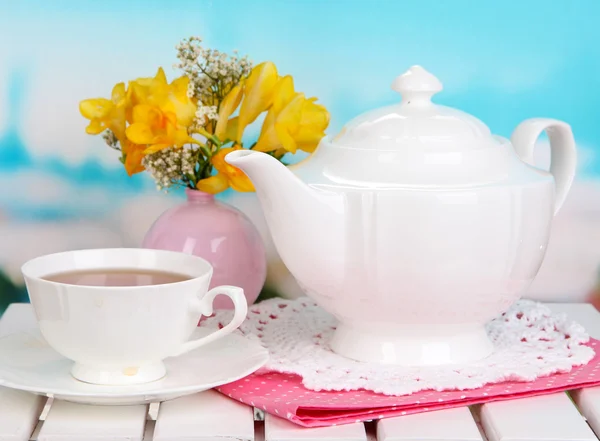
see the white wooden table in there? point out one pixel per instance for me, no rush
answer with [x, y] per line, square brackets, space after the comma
[209, 416]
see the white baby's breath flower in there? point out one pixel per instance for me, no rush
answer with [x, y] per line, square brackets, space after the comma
[205, 68]
[209, 112]
[111, 139]
[204, 113]
[170, 166]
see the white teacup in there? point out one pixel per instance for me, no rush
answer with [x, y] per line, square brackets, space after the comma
[120, 335]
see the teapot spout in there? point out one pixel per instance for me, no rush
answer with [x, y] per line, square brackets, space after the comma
[276, 186]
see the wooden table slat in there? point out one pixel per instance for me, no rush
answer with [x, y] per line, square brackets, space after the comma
[19, 411]
[279, 429]
[442, 425]
[546, 417]
[19, 414]
[202, 417]
[79, 422]
[588, 402]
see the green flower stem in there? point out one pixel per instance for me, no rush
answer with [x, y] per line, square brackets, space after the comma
[206, 152]
[210, 137]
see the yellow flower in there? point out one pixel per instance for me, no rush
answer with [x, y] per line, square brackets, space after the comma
[139, 90]
[258, 94]
[111, 114]
[173, 98]
[106, 114]
[293, 122]
[160, 113]
[156, 129]
[230, 103]
[134, 154]
[314, 119]
[236, 178]
[213, 184]
[158, 92]
[231, 130]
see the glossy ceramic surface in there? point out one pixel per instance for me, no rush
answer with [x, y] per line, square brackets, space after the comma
[121, 335]
[218, 233]
[415, 225]
[28, 363]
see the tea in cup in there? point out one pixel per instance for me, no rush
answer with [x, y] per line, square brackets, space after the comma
[118, 313]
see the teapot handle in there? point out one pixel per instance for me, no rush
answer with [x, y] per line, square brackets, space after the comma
[563, 160]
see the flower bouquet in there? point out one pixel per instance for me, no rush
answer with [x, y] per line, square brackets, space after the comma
[180, 131]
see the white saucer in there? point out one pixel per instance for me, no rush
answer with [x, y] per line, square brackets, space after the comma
[28, 363]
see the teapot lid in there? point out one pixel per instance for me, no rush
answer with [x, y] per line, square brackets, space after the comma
[415, 122]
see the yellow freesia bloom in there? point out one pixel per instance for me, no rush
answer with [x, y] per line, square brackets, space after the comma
[158, 92]
[213, 184]
[173, 98]
[134, 154]
[258, 94]
[111, 114]
[314, 119]
[293, 122]
[236, 178]
[156, 129]
[106, 114]
[230, 103]
[159, 114]
[232, 127]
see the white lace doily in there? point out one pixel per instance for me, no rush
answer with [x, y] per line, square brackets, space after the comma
[530, 342]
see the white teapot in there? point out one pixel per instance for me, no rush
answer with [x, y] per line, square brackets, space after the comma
[415, 226]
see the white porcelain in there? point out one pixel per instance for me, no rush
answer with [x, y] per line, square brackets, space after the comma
[121, 335]
[415, 225]
[27, 362]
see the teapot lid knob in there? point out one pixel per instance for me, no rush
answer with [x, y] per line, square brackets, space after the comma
[417, 86]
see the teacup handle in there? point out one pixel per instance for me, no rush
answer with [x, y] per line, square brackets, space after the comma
[204, 306]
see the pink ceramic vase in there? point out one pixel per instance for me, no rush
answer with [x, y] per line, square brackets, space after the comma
[219, 233]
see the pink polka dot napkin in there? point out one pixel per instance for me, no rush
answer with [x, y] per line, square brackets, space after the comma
[285, 396]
